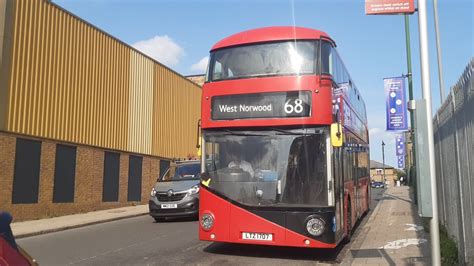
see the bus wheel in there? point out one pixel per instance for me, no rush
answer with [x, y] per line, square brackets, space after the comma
[347, 239]
[368, 202]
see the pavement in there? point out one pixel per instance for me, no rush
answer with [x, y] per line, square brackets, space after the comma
[43, 226]
[393, 235]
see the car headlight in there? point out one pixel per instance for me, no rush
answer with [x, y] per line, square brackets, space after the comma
[193, 190]
[207, 221]
[315, 226]
[153, 192]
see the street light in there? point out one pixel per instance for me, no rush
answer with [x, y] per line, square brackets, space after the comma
[383, 162]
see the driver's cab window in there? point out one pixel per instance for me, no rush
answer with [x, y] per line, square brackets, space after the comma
[212, 157]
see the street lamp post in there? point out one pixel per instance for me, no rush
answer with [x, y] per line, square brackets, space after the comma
[383, 162]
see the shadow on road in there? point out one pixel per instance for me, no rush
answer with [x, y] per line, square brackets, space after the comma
[326, 255]
[176, 220]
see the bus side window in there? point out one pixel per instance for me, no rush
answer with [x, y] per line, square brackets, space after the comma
[326, 58]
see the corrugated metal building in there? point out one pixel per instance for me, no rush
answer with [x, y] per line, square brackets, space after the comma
[86, 121]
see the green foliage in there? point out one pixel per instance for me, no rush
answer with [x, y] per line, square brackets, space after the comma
[449, 250]
[400, 174]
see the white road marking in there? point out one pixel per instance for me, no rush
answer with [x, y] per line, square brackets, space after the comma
[413, 227]
[402, 243]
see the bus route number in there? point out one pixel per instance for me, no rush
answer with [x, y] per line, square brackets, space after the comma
[295, 107]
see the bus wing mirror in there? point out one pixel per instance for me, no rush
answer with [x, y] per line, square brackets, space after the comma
[198, 137]
[336, 135]
[205, 179]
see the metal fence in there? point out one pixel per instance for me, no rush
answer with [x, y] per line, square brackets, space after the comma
[454, 149]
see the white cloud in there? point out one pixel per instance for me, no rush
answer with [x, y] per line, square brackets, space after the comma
[161, 48]
[201, 65]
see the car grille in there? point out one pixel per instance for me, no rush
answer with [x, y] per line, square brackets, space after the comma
[163, 197]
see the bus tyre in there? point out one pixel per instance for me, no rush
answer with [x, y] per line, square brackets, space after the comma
[348, 237]
[368, 202]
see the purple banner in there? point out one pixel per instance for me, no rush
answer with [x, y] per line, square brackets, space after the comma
[401, 162]
[396, 104]
[400, 145]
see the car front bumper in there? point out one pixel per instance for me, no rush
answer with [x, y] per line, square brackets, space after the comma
[187, 208]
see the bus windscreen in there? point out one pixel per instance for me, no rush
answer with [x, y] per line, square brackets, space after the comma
[268, 59]
[269, 168]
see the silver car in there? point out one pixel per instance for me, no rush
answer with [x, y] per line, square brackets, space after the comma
[176, 193]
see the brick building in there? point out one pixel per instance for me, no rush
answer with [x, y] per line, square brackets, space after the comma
[86, 121]
[376, 172]
[198, 79]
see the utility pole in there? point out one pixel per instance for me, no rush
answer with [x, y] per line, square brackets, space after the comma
[426, 92]
[438, 50]
[410, 97]
[383, 162]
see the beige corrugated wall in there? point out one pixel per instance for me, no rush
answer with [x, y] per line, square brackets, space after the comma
[176, 115]
[72, 82]
[140, 103]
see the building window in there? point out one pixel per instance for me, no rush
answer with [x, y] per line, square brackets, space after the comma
[27, 171]
[379, 171]
[135, 178]
[110, 189]
[64, 174]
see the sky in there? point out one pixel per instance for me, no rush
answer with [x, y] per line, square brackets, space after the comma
[179, 34]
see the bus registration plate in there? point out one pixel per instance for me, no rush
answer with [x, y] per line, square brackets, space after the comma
[257, 236]
[169, 206]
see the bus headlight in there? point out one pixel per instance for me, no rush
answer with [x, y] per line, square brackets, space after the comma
[315, 226]
[207, 221]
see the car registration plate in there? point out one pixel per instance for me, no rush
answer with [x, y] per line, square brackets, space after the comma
[169, 206]
[257, 236]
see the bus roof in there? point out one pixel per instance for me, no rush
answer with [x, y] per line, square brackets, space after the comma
[269, 34]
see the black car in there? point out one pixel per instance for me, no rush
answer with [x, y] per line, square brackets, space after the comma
[378, 184]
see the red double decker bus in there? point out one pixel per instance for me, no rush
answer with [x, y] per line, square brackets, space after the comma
[285, 147]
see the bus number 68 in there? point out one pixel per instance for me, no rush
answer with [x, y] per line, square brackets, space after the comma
[297, 107]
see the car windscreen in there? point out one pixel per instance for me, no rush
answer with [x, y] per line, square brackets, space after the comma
[182, 172]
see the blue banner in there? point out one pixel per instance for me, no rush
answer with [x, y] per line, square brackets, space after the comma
[400, 145]
[401, 162]
[396, 104]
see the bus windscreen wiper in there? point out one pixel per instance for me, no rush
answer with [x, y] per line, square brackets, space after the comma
[289, 132]
[244, 133]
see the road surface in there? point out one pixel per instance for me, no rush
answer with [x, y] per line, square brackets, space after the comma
[142, 241]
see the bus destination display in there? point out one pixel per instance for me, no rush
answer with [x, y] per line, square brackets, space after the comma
[262, 105]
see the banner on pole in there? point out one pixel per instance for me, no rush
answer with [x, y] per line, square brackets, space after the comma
[400, 145]
[387, 7]
[401, 162]
[396, 104]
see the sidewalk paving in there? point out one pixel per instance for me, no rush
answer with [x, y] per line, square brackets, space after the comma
[393, 235]
[36, 227]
